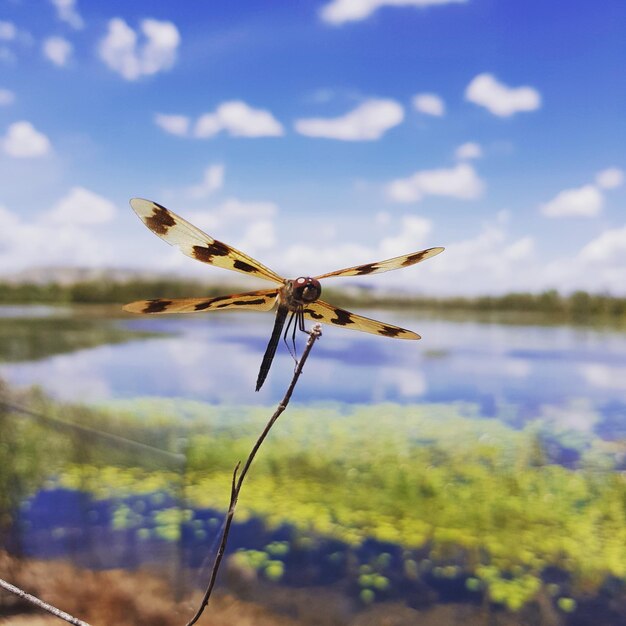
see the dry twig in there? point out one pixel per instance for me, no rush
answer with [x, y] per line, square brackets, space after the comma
[237, 482]
[41, 604]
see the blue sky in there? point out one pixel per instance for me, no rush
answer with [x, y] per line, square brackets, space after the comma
[322, 134]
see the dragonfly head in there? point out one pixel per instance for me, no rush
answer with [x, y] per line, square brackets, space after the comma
[306, 289]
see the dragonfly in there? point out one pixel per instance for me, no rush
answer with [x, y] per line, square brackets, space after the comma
[297, 299]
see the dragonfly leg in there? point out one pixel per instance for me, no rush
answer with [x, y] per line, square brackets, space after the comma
[294, 325]
[292, 351]
[301, 322]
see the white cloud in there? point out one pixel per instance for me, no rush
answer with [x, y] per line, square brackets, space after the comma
[407, 233]
[610, 178]
[120, 50]
[81, 229]
[469, 150]
[259, 235]
[429, 103]
[39, 243]
[457, 182]
[236, 209]
[81, 206]
[413, 233]
[58, 50]
[499, 99]
[160, 50]
[212, 180]
[382, 218]
[6, 97]
[488, 261]
[24, 141]
[66, 12]
[309, 259]
[368, 121]
[598, 267]
[340, 11]
[239, 120]
[174, 124]
[9, 221]
[520, 249]
[475, 254]
[8, 31]
[608, 247]
[585, 201]
[12, 39]
[232, 211]
[234, 117]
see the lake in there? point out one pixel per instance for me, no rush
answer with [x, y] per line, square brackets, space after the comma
[439, 423]
[575, 376]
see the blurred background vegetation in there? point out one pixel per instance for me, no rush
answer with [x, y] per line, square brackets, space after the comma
[424, 504]
[579, 306]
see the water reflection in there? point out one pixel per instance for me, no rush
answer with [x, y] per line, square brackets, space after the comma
[603, 376]
[30, 311]
[216, 359]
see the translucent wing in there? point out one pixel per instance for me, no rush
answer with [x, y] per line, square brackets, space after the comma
[321, 311]
[197, 244]
[255, 300]
[385, 266]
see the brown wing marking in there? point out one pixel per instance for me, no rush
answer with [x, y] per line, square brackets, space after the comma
[197, 244]
[321, 311]
[385, 266]
[254, 300]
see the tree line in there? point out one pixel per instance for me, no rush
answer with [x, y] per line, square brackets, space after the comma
[578, 306]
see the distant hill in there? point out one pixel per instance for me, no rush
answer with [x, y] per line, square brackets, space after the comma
[62, 275]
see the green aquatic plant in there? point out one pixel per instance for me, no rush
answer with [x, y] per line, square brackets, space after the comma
[567, 605]
[467, 489]
[260, 561]
[464, 496]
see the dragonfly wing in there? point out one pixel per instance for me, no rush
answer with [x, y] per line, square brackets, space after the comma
[385, 266]
[255, 300]
[197, 244]
[321, 311]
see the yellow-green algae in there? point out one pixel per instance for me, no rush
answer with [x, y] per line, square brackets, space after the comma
[482, 498]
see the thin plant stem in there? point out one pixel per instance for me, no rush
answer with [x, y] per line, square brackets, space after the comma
[238, 478]
[41, 604]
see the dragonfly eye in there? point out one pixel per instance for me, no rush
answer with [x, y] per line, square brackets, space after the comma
[307, 289]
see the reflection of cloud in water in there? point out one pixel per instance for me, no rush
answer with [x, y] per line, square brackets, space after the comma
[216, 359]
[63, 376]
[578, 414]
[30, 311]
[220, 371]
[604, 376]
[517, 368]
[408, 383]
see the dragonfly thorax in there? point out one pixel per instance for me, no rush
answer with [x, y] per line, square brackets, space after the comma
[306, 289]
